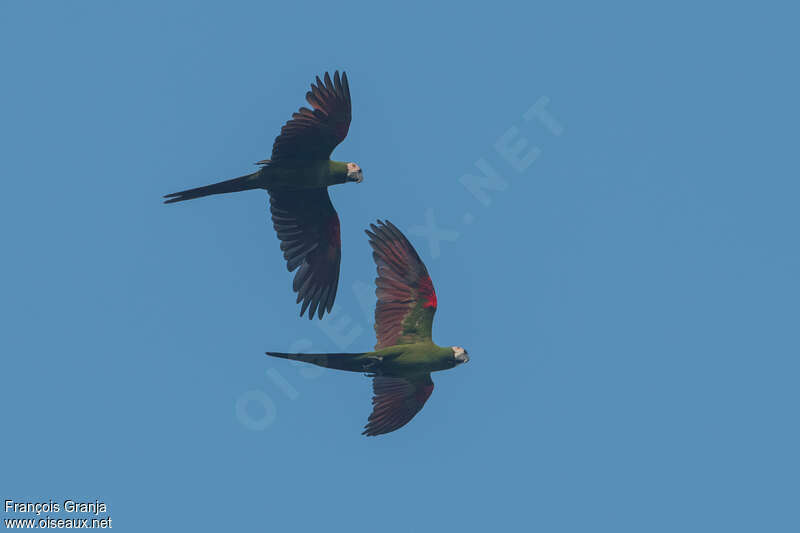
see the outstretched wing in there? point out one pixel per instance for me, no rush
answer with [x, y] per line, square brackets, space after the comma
[395, 401]
[308, 228]
[312, 134]
[406, 299]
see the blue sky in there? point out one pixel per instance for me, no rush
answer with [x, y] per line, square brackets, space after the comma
[627, 290]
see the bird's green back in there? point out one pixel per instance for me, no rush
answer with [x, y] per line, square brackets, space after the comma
[415, 358]
[303, 174]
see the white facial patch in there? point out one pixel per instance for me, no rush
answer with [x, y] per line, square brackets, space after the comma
[460, 354]
[354, 173]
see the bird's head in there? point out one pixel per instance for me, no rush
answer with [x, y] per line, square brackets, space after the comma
[460, 355]
[354, 173]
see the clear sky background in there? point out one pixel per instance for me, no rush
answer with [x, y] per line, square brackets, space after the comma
[629, 294]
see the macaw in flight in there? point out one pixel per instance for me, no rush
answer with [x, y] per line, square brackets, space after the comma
[297, 177]
[405, 355]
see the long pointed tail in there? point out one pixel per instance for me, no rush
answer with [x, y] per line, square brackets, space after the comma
[341, 361]
[243, 183]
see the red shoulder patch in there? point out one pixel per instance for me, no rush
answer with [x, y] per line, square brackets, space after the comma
[426, 292]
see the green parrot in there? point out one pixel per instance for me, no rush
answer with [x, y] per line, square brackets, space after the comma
[297, 177]
[405, 354]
